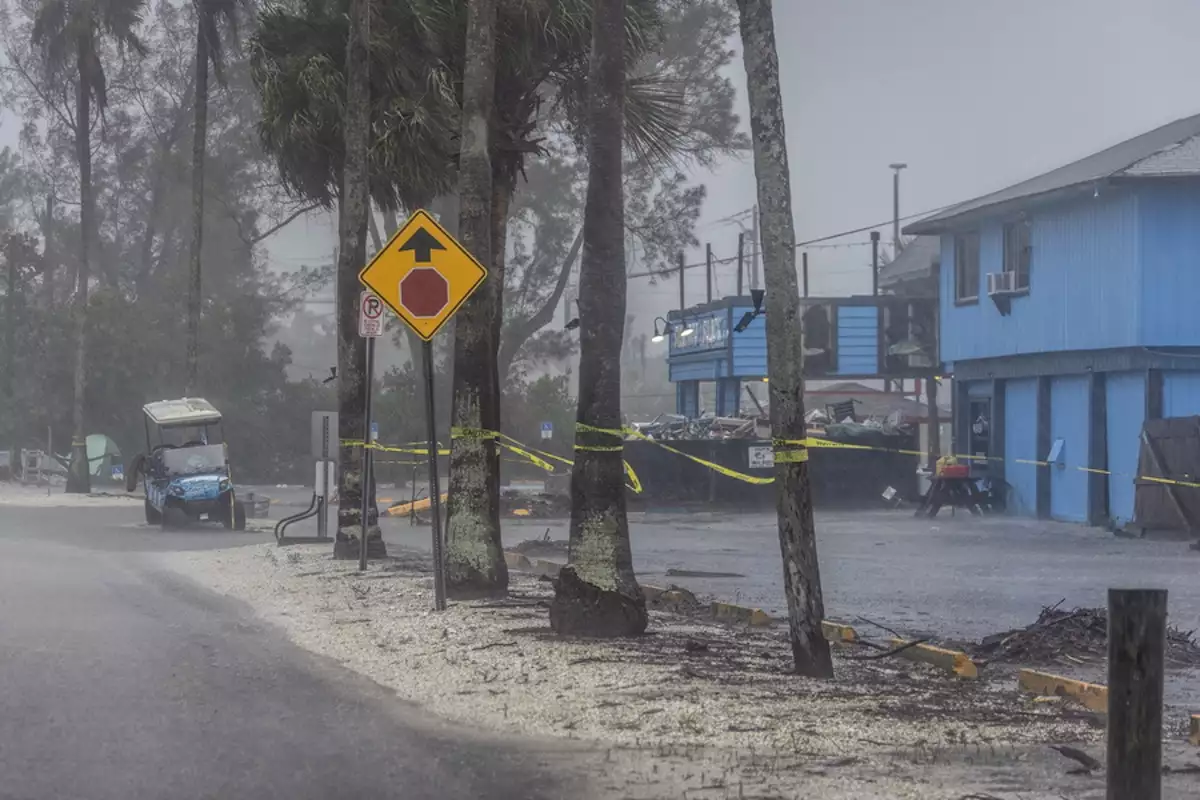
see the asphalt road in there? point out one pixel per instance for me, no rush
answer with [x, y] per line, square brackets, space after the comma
[117, 681]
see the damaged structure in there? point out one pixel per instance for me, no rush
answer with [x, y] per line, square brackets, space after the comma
[1067, 321]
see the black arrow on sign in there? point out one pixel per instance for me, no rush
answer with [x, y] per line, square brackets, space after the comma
[422, 243]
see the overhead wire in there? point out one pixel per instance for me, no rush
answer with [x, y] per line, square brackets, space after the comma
[798, 245]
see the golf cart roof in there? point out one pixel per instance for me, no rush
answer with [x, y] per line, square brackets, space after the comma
[185, 411]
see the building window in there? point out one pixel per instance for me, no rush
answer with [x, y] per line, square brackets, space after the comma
[966, 267]
[1018, 246]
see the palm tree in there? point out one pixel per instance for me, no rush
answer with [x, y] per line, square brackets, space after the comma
[210, 15]
[353, 208]
[597, 593]
[475, 565]
[797, 534]
[416, 57]
[71, 36]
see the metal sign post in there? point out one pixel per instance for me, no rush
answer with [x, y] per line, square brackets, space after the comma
[370, 326]
[424, 275]
[435, 491]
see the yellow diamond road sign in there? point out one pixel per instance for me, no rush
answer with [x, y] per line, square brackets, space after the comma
[423, 274]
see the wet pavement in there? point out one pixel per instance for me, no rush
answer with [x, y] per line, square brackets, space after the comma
[121, 682]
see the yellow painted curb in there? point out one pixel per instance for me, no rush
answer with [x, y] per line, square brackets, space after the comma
[950, 660]
[837, 632]
[517, 561]
[543, 567]
[1092, 695]
[652, 593]
[1194, 730]
[728, 612]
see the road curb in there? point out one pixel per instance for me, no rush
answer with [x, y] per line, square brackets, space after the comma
[954, 661]
[517, 561]
[1093, 696]
[838, 632]
[728, 612]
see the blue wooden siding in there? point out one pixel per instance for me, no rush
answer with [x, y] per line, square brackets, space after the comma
[1020, 444]
[687, 398]
[1125, 403]
[729, 394]
[1181, 394]
[1170, 256]
[1069, 422]
[1084, 281]
[750, 347]
[699, 367]
[857, 340]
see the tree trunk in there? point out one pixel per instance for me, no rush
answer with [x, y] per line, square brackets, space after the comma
[49, 265]
[596, 593]
[79, 476]
[475, 564]
[199, 136]
[352, 253]
[797, 535]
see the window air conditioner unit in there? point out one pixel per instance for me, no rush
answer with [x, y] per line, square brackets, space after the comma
[1002, 283]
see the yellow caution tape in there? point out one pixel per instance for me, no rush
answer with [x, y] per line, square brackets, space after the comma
[722, 470]
[786, 451]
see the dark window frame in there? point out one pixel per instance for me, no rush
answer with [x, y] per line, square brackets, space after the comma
[1018, 251]
[966, 275]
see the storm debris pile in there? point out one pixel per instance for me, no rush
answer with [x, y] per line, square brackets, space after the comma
[1078, 636]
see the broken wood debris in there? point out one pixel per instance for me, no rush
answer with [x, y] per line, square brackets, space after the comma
[1072, 637]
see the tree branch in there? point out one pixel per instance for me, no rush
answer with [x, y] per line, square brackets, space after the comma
[289, 219]
[519, 332]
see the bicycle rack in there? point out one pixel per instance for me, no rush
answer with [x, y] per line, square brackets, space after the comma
[315, 507]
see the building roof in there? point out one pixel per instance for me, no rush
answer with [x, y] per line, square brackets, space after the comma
[917, 260]
[185, 411]
[1172, 150]
[870, 402]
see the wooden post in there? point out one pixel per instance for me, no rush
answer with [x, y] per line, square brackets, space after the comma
[935, 422]
[1137, 630]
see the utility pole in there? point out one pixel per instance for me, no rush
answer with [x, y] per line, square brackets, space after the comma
[875, 263]
[682, 305]
[896, 207]
[741, 255]
[754, 284]
[804, 270]
[708, 268]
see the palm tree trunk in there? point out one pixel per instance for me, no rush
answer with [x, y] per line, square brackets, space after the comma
[797, 534]
[475, 564]
[79, 477]
[352, 253]
[199, 136]
[597, 593]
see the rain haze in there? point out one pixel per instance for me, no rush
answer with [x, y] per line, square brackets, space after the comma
[461, 526]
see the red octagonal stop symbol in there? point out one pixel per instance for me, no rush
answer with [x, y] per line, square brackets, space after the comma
[424, 292]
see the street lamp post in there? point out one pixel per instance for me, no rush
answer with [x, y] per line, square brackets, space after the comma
[896, 207]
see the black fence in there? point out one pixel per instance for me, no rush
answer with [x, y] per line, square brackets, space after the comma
[841, 478]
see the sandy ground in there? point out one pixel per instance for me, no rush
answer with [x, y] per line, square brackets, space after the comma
[694, 710]
[14, 494]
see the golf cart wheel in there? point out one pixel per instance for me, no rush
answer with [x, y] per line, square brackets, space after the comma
[229, 512]
[172, 518]
[152, 515]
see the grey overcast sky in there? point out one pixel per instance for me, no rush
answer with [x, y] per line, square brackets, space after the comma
[972, 94]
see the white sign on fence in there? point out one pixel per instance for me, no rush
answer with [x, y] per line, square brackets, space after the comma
[761, 457]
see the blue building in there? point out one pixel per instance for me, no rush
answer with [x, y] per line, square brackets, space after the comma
[845, 338]
[1068, 317]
